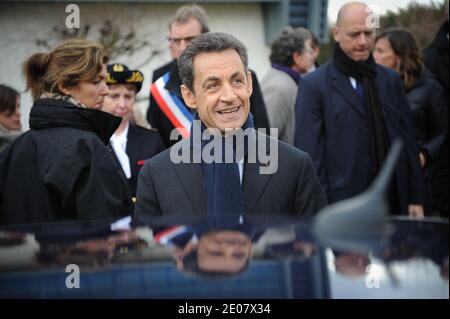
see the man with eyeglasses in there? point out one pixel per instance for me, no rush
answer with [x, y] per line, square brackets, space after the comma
[167, 110]
[187, 23]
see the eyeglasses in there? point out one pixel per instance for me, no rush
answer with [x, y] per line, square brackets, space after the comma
[177, 41]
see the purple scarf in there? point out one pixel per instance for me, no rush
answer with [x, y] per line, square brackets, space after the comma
[293, 74]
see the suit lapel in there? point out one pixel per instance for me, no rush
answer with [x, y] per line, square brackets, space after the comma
[133, 149]
[173, 85]
[381, 87]
[113, 155]
[342, 85]
[254, 183]
[191, 179]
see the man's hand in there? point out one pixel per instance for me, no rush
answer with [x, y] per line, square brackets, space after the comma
[416, 211]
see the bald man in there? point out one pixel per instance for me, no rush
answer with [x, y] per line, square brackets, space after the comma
[350, 111]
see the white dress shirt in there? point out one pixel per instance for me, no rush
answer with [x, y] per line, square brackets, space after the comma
[119, 145]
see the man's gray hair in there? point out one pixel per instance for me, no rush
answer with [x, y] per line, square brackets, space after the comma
[188, 12]
[288, 42]
[208, 42]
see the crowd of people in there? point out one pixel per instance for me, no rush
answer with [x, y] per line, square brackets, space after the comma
[83, 158]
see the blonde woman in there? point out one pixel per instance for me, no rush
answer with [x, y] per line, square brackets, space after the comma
[61, 169]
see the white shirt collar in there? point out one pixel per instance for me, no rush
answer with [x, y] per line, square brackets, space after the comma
[122, 136]
[352, 82]
[241, 169]
[119, 145]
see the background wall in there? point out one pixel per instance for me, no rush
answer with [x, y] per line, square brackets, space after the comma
[22, 24]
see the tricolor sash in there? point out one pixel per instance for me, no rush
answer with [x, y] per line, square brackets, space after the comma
[172, 106]
[178, 235]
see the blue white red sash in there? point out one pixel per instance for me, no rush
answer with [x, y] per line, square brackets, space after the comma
[166, 236]
[172, 106]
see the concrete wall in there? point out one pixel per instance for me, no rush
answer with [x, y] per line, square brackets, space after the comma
[23, 23]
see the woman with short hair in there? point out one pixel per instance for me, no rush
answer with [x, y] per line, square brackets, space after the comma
[132, 144]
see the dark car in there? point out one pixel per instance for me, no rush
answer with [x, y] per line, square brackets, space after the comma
[351, 249]
[248, 260]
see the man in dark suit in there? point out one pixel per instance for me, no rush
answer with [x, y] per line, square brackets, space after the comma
[167, 110]
[348, 113]
[197, 176]
[131, 144]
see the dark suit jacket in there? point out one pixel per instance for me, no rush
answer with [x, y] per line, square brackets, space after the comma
[165, 188]
[159, 121]
[429, 109]
[332, 126]
[142, 144]
[436, 57]
[159, 72]
[439, 179]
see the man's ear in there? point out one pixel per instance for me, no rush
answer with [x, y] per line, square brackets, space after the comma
[188, 96]
[335, 31]
[296, 57]
[249, 82]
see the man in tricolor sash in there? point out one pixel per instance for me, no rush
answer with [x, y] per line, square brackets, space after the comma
[225, 169]
[167, 110]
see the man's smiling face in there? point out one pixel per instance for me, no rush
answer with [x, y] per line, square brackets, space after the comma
[221, 90]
